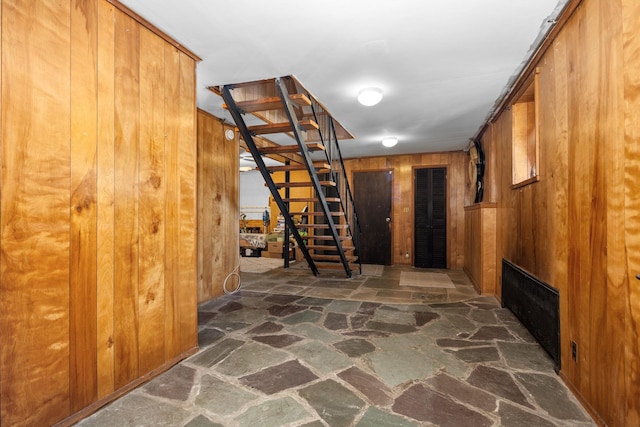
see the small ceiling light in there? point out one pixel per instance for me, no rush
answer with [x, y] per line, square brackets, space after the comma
[390, 142]
[370, 96]
[245, 168]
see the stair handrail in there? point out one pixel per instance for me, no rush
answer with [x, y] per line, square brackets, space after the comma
[297, 132]
[337, 169]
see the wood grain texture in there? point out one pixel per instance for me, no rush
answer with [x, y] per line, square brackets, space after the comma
[631, 59]
[105, 200]
[231, 208]
[152, 205]
[34, 213]
[127, 123]
[84, 208]
[218, 207]
[575, 227]
[609, 299]
[480, 247]
[403, 230]
[172, 205]
[295, 193]
[83, 291]
[187, 265]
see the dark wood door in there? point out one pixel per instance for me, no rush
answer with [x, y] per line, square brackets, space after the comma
[372, 198]
[430, 207]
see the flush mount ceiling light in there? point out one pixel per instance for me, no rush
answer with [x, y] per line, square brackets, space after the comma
[390, 142]
[370, 96]
[245, 168]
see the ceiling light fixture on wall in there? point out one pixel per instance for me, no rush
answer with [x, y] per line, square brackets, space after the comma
[390, 142]
[370, 96]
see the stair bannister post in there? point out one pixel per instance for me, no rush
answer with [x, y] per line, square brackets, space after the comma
[248, 139]
[297, 132]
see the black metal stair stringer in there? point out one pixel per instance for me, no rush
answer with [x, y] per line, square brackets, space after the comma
[304, 151]
[248, 139]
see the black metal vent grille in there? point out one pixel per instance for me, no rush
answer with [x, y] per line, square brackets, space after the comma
[536, 304]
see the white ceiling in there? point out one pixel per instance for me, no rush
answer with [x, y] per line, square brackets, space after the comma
[442, 64]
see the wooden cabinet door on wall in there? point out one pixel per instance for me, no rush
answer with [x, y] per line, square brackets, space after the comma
[97, 208]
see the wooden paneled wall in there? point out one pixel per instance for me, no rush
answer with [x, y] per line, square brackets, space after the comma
[218, 210]
[403, 199]
[480, 246]
[97, 207]
[294, 193]
[578, 228]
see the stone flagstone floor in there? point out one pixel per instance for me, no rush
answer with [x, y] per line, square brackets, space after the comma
[291, 349]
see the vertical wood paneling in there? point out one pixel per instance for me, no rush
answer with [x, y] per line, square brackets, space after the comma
[480, 247]
[152, 196]
[83, 291]
[631, 43]
[172, 206]
[218, 211]
[553, 119]
[294, 193]
[188, 214]
[402, 166]
[231, 208]
[34, 212]
[206, 183]
[105, 199]
[86, 102]
[127, 123]
[215, 184]
[609, 298]
[576, 228]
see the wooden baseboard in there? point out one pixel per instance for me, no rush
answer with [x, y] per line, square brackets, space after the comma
[475, 283]
[587, 406]
[88, 410]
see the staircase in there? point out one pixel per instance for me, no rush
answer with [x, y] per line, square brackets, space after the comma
[326, 230]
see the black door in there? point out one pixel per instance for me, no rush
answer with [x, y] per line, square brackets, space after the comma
[372, 198]
[430, 207]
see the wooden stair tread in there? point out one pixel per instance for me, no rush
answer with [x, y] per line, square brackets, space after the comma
[315, 213]
[281, 127]
[299, 167]
[312, 237]
[312, 199]
[319, 257]
[323, 226]
[293, 148]
[329, 248]
[303, 184]
[271, 103]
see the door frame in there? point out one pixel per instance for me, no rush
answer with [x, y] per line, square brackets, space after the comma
[393, 204]
[413, 210]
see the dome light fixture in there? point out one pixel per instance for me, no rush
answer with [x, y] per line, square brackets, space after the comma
[390, 141]
[370, 96]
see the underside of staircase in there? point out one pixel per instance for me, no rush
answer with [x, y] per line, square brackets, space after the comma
[302, 136]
